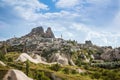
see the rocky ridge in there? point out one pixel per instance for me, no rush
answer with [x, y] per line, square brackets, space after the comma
[45, 44]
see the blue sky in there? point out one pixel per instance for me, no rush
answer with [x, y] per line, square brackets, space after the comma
[95, 20]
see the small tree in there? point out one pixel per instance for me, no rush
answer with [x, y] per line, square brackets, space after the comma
[96, 75]
[2, 56]
[78, 62]
[56, 67]
[27, 67]
[67, 71]
[5, 46]
[74, 72]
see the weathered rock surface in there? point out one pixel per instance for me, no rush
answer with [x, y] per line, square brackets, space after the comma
[13, 74]
[49, 33]
[80, 70]
[35, 59]
[24, 57]
[39, 32]
[59, 58]
[111, 55]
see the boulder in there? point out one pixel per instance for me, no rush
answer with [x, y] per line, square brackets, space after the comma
[24, 57]
[13, 74]
[59, 59]
[80, 70]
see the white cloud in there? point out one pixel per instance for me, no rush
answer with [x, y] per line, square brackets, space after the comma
[27, 9]
[67, 3]
[80, 4]
[31, 11]
[35, 4]
[99, 2]
[80, 27]
[68, 35]
[105, 38]
[54, 25]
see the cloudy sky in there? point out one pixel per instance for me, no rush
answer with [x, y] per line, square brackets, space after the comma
[95, 20]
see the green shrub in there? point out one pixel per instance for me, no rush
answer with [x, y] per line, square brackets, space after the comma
[74, 72]
[96, 75]
[2, 56]
[41, 76]
[78, 62]
[110, 75]
[55, 67]
[67, 71]
[10, 59]
[86, 66]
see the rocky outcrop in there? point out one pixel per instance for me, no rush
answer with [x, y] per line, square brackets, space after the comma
[31, 41]
[89, 43]
[45, 44]
[13, 74]
[71, 62]
[35, 59]
[24, 57]
[49, 33]
[39, 32]
[111, 55]
[59, 59]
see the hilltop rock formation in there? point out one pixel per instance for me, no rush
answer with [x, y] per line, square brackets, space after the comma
[88, 43]
[45, 44]
[49, 33]
[39, 32]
